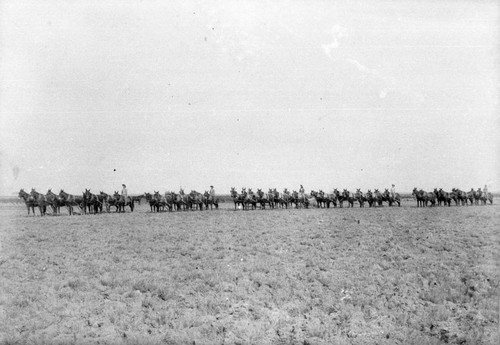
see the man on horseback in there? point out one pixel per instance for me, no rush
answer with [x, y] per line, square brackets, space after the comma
[212, 193]
[393, 191]
[301, 193]
[124, 192]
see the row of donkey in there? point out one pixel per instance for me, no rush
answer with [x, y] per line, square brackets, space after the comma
[87, 202]
[248, 199]
[181, 201]
[440, 197]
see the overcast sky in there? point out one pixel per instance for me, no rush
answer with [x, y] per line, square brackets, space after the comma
[328, 94]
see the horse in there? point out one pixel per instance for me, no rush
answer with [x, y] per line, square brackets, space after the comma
[459, 197]
[396, 199]
[339, 197]
[320, 199]
[439, 200]
[151, 200]
[444, 197]
[369, 198]
[208, 200]
[163, 201]
[121, 202]
[470, 196]
[484, 197]
[378, 198]
[249, 198]
[40, 200]
[348, 197]
[137, 198]
[423, 198]
[430, 197]
[238, 199]
[329, 198]
[93, 202]
[360, 197]
[285, 198]
[195, 198]
[264, 199]
[54, 201]
[169, 199]
[275, 196]
[419, 196]
[477, 196]
[159, 203]
[70, 201]
[108, 201]
[298, 200]
[181, 200]
[488, 197]
[28, 200]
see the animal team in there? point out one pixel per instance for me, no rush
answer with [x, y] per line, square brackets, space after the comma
[88, 202]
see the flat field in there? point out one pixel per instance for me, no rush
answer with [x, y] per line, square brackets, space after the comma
[403, 275]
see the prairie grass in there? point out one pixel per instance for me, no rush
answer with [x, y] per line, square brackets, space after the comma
[398, 276]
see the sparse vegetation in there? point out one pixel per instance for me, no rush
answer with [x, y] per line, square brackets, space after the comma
[398, 276]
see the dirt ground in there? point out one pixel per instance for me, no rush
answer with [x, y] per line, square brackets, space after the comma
[403, 275]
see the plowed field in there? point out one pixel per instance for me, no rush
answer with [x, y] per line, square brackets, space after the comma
[299, 276]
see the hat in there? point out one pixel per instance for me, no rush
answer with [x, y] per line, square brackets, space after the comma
[123, 184]
[211, 186]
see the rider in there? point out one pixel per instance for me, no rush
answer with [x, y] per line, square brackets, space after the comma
[124, 192]
[393, 191]
[485, 191]
[212, 193]
[301, 192]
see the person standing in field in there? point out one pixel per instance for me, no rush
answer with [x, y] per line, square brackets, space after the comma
[485, 191]
[124, 192]
[393, 191]
[212, 193]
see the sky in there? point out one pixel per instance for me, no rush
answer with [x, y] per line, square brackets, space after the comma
[329, 94]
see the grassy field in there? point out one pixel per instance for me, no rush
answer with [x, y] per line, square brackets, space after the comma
[319, 276]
